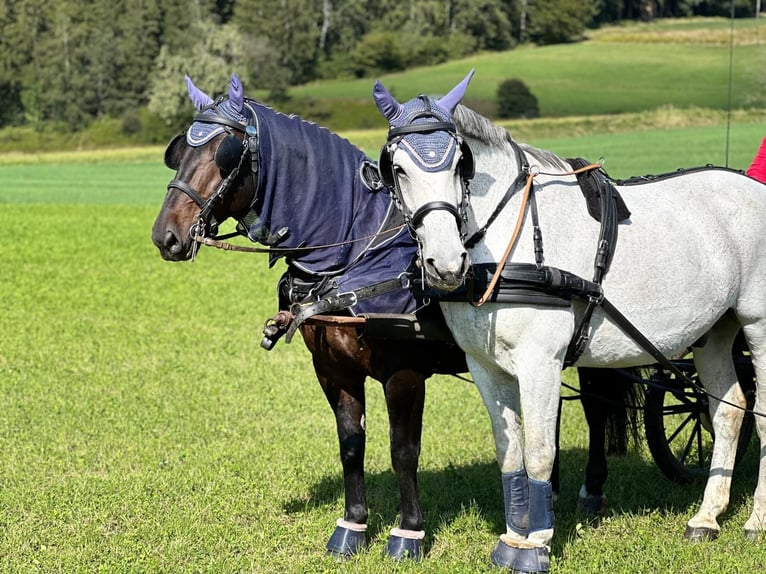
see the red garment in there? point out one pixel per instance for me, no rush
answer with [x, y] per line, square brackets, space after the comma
[757, 169]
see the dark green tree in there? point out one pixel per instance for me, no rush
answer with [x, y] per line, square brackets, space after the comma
[558, 21]
[515, 100]
[291, 27]
[11, 108]
[486, 21]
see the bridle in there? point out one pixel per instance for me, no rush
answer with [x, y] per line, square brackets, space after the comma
[466, 168]
[230, 157]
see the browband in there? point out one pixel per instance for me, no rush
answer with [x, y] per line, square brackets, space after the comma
[422, 129]
[223, 120]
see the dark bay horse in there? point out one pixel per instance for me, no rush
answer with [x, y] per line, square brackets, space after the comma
[291, 184]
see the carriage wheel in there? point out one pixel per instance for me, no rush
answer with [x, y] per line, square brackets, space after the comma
[677, 423]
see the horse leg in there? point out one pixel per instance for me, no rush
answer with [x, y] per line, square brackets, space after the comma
[756, 523]
[528, 494]
[593, 385]
[500, 394]
[539, 389]
[405, 397]
[715, 366]
[347, 400]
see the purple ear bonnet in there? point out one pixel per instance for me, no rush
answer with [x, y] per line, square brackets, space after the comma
[233, 108]
[431, 151]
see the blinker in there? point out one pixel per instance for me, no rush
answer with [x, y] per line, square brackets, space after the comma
[172, 154]
[229, 153]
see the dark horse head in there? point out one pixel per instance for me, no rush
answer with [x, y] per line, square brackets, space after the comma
[217, 172]
[305, 192]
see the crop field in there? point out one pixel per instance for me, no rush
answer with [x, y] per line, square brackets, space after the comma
[143, 429]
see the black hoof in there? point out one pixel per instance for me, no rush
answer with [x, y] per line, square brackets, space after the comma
[400, 549]
[344, 542]
[700, 534]
[521, 560]
[592, 505]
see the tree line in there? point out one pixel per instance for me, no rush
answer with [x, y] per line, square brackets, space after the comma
[69, 62]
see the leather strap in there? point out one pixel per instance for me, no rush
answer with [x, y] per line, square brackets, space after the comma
[628, 328]
[421, 129]
[337, 302]
[218, 119]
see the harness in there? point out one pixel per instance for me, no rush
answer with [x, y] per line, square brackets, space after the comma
[303, 294]
[537, 283]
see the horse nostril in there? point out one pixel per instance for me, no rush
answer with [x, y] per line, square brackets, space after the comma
[171, 243]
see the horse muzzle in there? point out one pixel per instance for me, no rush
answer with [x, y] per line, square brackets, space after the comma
[173, 245]
[449, 275]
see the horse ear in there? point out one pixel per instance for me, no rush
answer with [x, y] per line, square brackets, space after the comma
[386, 103]
[236, 94]
[452, 99]
[199, 98]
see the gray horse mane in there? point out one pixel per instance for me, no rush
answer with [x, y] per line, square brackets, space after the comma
[473, 125]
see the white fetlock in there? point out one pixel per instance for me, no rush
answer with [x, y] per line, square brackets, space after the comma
[515, 542]
[755, 523]
[351, 525]
[409, 534]
[541, 538]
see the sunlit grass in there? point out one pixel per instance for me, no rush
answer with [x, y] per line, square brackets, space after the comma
[144, 430]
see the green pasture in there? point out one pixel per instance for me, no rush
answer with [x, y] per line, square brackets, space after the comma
[143, 429]
[594, 77]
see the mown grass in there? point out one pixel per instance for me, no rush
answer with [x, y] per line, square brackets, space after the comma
[583, 79]
[658, 141]
[629, 68]
[693, 30]
[143, 429]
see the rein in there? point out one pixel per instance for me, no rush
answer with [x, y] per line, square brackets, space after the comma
[218, 244]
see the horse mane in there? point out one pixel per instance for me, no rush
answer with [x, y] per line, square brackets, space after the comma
[473, 125]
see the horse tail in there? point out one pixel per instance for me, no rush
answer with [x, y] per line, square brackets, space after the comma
[624, 412]
[614, 397]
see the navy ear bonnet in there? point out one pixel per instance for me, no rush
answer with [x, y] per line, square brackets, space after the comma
[200, 132]
[430, 151]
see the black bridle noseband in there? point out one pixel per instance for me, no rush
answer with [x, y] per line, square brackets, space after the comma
[389, 178]
[230, 156]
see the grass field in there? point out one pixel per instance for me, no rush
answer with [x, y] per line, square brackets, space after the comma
[618, 70]
[143, 429]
